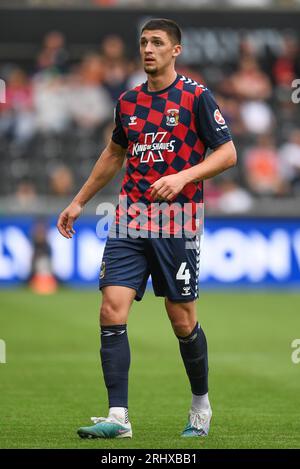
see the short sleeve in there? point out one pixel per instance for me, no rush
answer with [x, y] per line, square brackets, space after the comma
[118, 134]
[211, 126]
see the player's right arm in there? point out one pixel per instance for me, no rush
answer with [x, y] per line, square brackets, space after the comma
[108, 165]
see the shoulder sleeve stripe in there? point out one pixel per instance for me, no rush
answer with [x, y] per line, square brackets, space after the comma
[189, 81]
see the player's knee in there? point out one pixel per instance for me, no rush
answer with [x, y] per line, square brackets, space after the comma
[181, 327]
[182, 324]
[182, 316]
[110, 314]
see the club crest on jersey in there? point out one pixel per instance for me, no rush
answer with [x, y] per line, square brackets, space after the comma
[172, 117]
[218, 117]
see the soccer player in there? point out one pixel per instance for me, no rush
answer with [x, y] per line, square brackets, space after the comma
[163, 127]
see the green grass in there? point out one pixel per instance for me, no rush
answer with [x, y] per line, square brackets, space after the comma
[52, 383]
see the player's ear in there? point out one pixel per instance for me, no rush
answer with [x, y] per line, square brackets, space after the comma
[177, 50]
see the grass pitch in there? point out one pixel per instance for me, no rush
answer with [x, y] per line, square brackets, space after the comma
[52, 382]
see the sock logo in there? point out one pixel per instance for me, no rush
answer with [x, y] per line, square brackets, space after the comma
[108, 333]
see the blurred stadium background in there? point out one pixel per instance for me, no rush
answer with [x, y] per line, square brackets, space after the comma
[64, 63]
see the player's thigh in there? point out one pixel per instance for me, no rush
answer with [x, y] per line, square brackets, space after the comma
[123, 278]
[183, 316]
[116, 303]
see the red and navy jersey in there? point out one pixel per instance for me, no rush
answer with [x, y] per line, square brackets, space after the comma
[165, 132]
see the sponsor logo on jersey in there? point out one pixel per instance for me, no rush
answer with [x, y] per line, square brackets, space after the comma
[172, 117]
[218, 117]
[153, 147]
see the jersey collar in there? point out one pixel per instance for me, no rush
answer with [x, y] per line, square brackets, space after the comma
[145, 87]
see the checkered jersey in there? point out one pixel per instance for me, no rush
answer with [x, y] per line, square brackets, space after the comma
[165, 132]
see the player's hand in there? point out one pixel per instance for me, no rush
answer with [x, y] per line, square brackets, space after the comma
[167, 187]
[67, 218]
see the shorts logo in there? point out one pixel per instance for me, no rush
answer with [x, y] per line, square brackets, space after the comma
[218, 117]
[102, 270]
[172, 117]
[186, 291]
[153, 147]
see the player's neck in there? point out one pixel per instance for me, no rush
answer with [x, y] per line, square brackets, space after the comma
[160, 82]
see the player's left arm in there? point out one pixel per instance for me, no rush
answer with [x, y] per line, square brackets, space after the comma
[213, 131]
[222, 158]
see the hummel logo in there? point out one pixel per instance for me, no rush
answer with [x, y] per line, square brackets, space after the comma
[133, 120]
[186, 291]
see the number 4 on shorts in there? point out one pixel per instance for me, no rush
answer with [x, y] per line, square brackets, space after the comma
[183, 273]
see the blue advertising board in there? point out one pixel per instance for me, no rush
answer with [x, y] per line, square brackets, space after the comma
[246, 252]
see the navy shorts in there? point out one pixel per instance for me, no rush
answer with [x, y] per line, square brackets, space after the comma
[172, 262]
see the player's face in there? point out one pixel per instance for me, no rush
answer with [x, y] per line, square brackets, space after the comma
[157, 50]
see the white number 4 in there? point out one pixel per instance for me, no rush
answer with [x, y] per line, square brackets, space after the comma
[183, 274]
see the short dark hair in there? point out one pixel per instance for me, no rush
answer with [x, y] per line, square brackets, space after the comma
[169, 26]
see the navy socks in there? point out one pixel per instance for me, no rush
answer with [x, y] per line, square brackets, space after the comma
[115, 359]
[193, 349]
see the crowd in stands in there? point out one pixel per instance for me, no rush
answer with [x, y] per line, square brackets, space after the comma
[58, 116]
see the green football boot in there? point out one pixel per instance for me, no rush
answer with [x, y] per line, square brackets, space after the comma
[108, 427]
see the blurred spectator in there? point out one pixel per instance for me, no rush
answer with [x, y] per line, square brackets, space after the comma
[289, 154]
[25, 195]
[193, 74]
[116, 65]
[285, 68]
[231, 110]
[17, 118]
[250, 82]
[91, 70]
[234, 199]
[247, 48]
[137, 75]
[61, 181]
[51, 103]
[257, 117]
[212, 194]
[287, 117]
[42, 280]
[262, 167]
[113, 49]
[53, 56]
[89, 103]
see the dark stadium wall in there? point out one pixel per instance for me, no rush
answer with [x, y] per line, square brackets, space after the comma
[86, 28]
